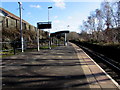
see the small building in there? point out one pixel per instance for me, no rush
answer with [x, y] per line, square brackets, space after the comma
[9, 20]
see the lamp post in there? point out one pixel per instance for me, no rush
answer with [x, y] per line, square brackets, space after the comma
[49, 30]
[21, 34]
[48, 12]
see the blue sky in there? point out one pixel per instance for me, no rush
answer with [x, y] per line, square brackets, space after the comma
[62, 14]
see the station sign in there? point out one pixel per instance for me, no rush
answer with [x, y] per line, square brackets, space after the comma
[44, 25]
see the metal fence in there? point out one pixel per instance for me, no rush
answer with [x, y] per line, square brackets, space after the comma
[15, 46]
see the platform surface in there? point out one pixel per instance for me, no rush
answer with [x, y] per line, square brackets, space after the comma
[64, 67]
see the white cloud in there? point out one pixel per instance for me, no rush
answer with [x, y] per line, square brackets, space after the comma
[29, 13]
[74, 21]
[55, 17]
[35, 6]
[69, 17]
[59, 3]
[56, 21]
[58, 0]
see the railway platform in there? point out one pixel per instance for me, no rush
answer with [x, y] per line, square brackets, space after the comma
[63, 68]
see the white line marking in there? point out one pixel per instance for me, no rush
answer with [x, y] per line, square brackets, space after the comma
[105, 72]
[117, 85]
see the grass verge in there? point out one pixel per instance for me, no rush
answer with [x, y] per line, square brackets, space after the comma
[10, 53]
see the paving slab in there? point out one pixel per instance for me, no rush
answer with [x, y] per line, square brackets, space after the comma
[64, 68]
[55, 68]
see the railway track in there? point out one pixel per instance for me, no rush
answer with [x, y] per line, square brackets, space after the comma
[110, 66]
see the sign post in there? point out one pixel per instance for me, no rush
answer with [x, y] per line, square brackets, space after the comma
[43, 25]
[38, 40]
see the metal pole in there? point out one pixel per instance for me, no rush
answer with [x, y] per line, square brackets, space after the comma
[38, 39]
[49, 40]
[65, 40]
[57, 42]
[48, 14]
[49, 30]
[21, 34]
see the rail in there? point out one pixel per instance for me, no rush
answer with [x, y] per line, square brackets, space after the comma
[109, 61]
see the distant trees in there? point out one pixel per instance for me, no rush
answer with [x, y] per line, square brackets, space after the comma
[102, 25]
[72, 36]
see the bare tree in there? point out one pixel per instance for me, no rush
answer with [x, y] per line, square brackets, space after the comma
[91, 22]
[114, 14]
[118, 14]
[103, 24]
[99, 17]
[85, 26]
[107, 14]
